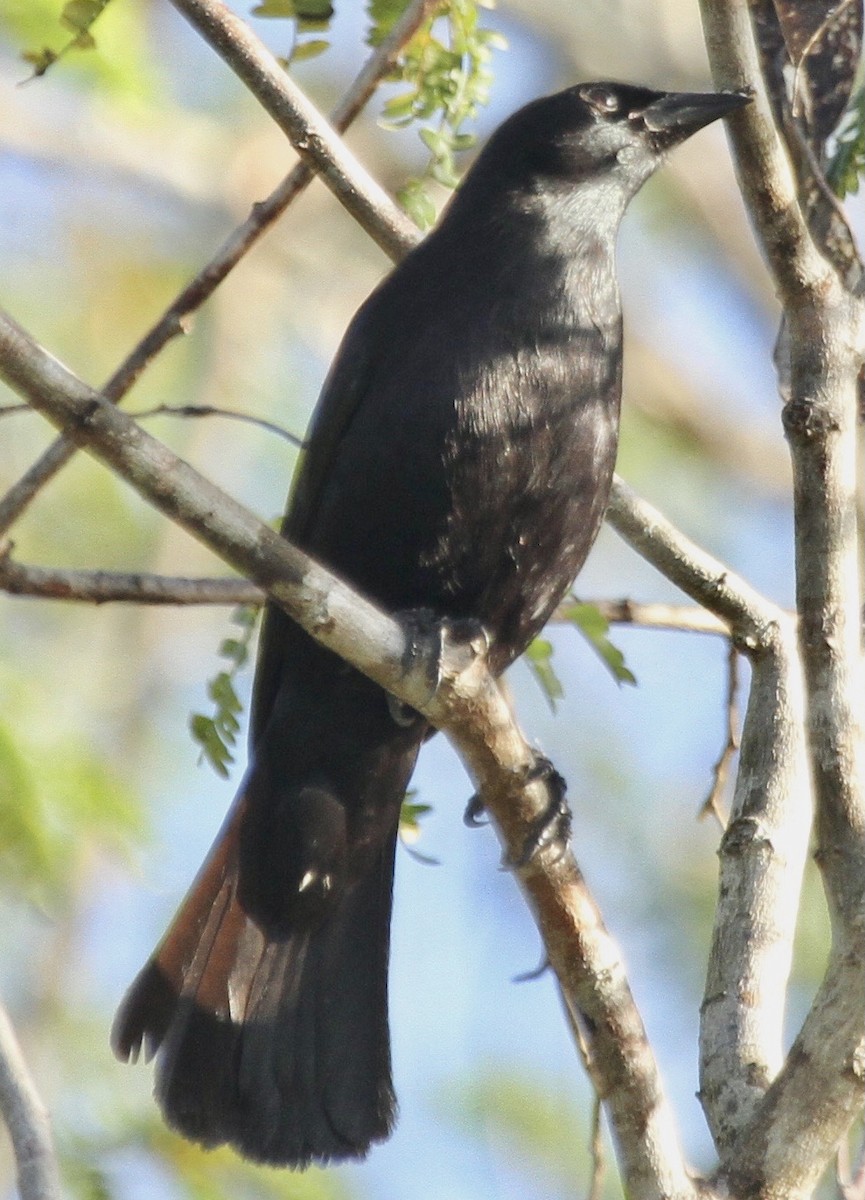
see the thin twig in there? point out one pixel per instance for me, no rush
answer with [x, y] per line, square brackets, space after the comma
[175, 319]
[850, 1180]
[211, 410]
[103, 587]
[684, 618]
[596, 1151]
[27, 1120]
[721, 770]
[709, 582]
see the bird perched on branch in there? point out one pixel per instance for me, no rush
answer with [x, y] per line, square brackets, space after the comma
[459, 461]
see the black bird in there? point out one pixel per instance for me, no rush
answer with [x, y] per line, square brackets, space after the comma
[459, 461]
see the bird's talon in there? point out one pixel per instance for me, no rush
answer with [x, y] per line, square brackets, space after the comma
[553, 826]
[472, 814]
[535, 973]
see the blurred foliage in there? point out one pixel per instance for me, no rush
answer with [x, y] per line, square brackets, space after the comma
[539, 1135]
[847, 163]
[124, 65]
[59, 800]
[185, 1170]
[78, 16]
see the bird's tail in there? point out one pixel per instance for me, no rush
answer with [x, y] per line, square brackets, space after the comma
[275, 1043]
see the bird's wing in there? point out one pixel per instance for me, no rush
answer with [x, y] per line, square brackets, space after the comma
[341, 397]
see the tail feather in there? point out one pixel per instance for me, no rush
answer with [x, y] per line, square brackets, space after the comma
[276, 1044]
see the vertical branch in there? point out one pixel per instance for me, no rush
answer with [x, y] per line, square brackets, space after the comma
[763, 849]
[762, 857]
[795, 1128]
[27, 1121]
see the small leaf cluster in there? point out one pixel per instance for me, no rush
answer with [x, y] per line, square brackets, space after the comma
[447, 68]
[309, 16]
[594, 626]
[216, 735]
[847, 164]
[77, 16]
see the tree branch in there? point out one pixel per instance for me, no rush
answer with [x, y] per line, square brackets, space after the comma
[448, 682]
[134, 587]
[815, 1096]
[103, 587]
[263, 215]
[313, 138]
[764, 846]
[27, 1121]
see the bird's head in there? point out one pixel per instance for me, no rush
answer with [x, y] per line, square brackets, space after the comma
[612, 131]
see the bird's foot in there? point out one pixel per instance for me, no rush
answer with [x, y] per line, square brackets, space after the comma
[553, 826]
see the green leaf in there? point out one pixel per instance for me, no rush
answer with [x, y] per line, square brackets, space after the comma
[246, 615]
[314, 10]
[79, 15]
[400, 106]
[539, 658]
[221, 690]
[212, 746]
[275, 9]
[234, 649]
[410, 815]
[416, 201]
[595, 627]
[310, 49]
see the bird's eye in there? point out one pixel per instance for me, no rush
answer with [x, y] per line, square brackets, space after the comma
[601, 99]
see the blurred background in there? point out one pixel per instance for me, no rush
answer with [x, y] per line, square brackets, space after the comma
[121, 171]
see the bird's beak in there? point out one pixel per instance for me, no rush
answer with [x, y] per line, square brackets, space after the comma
[676, 115]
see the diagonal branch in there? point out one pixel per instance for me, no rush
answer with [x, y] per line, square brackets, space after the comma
[27, 1121]
[449, 683]
[310, 134]
[173, 321]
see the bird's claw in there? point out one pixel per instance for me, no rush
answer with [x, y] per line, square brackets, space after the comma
[553, 826]
[474, 809]
[535, 973]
